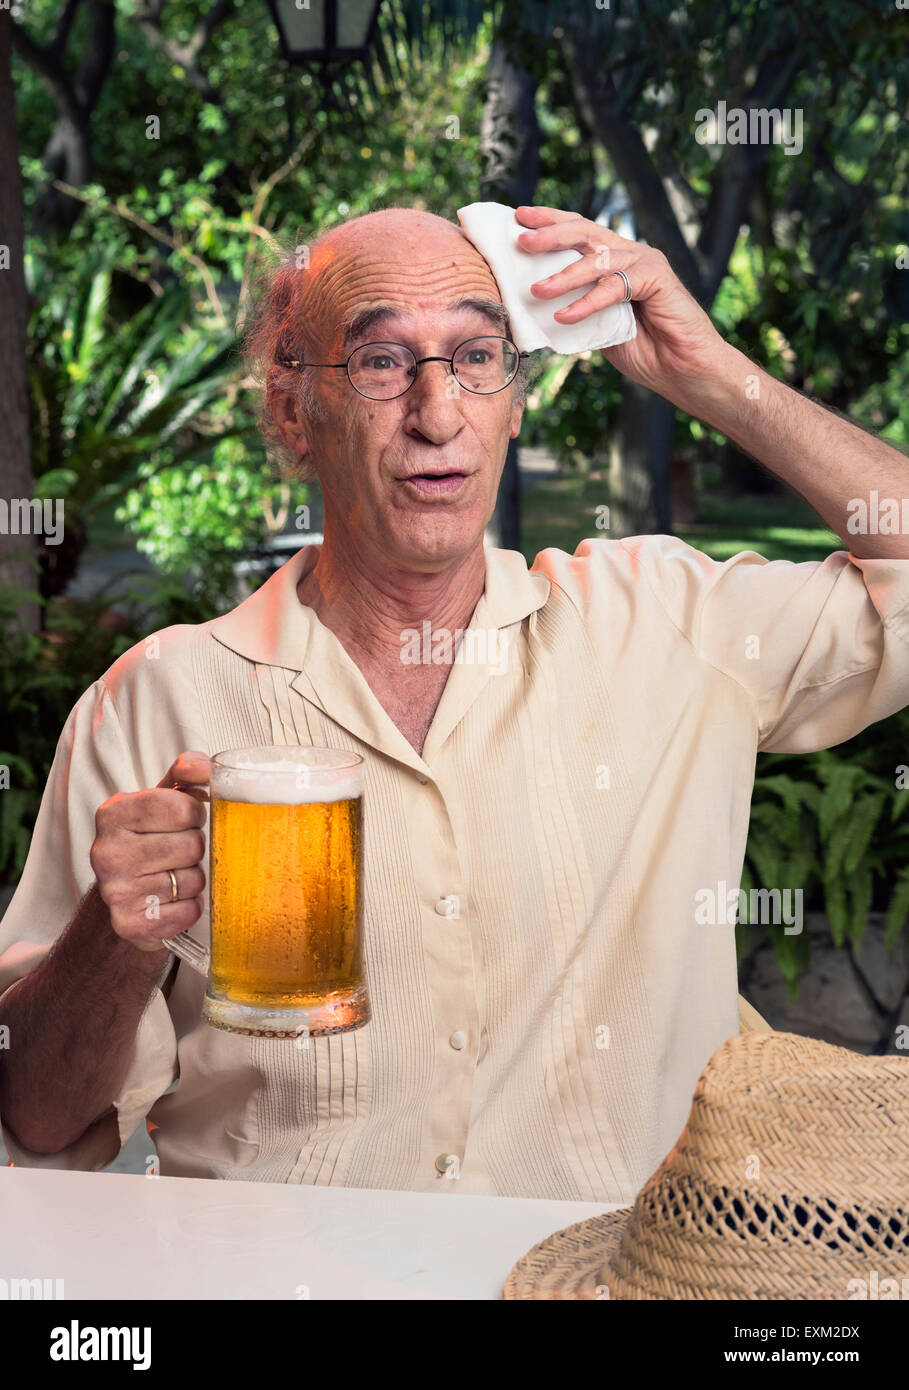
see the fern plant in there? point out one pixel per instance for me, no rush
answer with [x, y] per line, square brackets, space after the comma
[833, 824]
[110, 394]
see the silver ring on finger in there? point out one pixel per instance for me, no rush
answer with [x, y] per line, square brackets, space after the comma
[175, 894]
[627, 295]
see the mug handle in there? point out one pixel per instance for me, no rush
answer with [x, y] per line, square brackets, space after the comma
[182, 945]
[187, 949]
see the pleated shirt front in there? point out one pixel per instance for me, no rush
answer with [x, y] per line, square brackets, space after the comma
[545, 991]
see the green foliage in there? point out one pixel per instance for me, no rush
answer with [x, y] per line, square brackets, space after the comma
[197, 521]
[566, 404]
[113, 399]
[813, 290]
[199, 185]
[833, 824]
[43, 675]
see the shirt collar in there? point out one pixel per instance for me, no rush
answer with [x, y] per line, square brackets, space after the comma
[274, 628]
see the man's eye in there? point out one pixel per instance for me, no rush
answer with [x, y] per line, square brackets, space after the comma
[478, 357]
[382, 363]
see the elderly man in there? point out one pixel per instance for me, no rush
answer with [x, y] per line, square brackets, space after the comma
[541, 824]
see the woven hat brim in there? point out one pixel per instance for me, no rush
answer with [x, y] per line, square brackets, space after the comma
[569, 1264]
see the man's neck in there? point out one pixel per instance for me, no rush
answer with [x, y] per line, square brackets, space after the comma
[368, 605]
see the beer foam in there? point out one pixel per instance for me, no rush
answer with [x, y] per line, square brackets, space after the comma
[284, 782]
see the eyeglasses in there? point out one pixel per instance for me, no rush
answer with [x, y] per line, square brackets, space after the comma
[384, 371]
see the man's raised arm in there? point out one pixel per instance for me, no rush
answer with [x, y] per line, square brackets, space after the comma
[678, 353]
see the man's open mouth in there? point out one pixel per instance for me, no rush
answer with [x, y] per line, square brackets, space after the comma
[437, 483]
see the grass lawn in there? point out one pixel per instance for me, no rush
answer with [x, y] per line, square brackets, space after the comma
[562, 512]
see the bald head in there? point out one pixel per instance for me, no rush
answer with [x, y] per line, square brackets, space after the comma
[391, 223]
[401, 257]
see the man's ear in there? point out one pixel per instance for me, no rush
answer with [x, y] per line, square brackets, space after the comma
[517, 415]
[288, 417]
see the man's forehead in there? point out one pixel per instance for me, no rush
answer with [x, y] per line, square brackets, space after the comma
[387, 316]
[360, 276]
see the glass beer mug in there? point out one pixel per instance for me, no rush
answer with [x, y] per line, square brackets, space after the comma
[285, 889]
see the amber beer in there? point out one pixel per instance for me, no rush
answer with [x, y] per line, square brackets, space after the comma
[286, 897]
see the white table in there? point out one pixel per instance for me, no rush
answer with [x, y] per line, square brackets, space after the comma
[115, 1235]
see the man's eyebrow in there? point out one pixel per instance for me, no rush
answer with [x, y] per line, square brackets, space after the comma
[489, 308]
[362, 321]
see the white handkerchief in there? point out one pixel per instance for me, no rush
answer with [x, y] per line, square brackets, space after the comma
[494, 231]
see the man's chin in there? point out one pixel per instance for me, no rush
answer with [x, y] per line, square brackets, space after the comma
[435, 540]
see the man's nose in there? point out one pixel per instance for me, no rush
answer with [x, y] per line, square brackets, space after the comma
[433, 401]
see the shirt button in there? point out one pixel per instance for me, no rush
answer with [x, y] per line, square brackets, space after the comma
[458, 1040]
[422, 780]
[445, 1161]
[445, 907]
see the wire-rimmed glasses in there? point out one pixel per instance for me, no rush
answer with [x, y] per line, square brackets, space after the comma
[383, 371]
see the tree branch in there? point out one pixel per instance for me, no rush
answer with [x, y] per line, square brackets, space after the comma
[740, 169]
[68, 150]
[262, 193]
[64, 24]
[157, 235]
[47, 64]
[682, 198]
[598, 101]
[149, 16]
[100, 41]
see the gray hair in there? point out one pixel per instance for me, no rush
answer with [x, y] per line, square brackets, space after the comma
[271, 336]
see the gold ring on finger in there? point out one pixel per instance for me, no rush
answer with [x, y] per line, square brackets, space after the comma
[174, 897]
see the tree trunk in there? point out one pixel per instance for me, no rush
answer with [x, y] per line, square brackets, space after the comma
[15, 462]
[68, 153]
[698, 248]
[640, 446]
[511, 149]
[67, 156]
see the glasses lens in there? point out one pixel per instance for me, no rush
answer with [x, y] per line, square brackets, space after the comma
[381, 370]
[485, 365]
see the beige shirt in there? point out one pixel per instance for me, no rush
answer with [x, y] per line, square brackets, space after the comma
[543, 996]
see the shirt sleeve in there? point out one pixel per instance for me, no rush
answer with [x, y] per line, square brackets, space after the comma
[92, 762]
[821, 646]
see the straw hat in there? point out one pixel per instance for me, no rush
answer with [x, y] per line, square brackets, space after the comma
[790, 1179]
